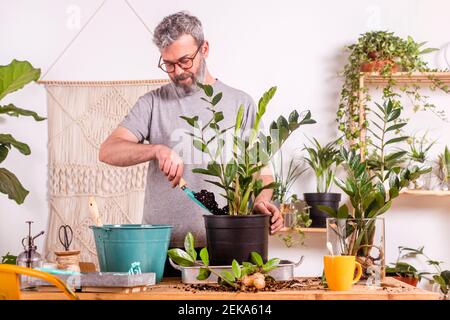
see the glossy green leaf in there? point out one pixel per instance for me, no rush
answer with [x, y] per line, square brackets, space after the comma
[11, 186]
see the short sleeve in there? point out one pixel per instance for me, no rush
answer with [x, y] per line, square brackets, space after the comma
[139, 118]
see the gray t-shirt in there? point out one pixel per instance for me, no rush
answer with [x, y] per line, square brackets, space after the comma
[156, 118]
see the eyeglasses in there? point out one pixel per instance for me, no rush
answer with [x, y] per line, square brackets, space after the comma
[184, 63]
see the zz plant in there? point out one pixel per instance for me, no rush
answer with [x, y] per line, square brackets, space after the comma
[251, 152]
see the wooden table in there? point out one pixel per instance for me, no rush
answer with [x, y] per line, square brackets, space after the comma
[169, 289]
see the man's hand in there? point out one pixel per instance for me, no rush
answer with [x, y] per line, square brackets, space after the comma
[169, 163]
[264, 207]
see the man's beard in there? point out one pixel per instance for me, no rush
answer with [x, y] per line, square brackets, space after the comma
[184, 89]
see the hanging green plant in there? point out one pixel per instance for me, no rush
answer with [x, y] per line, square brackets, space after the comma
[386, 53]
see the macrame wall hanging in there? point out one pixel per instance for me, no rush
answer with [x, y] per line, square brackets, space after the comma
[80, 117]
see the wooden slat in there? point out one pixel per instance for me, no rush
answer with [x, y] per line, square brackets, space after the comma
[407, 78]
[167, 290]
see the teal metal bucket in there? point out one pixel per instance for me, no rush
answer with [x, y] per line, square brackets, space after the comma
[121, 246]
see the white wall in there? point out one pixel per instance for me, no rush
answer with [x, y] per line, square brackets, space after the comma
[296, 45]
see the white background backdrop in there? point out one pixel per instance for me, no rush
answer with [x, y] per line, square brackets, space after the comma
[296, 45]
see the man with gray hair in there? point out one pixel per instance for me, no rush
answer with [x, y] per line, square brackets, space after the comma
[155, 118]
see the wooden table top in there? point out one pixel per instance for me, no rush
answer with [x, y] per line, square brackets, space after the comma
[170, 289]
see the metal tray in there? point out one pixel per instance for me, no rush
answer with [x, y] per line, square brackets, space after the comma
[284, 272]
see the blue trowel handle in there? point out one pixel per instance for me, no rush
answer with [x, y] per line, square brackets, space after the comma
[190, 193]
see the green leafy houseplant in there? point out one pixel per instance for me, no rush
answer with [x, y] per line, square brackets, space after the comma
[386, 53]
[439, 276]
[9, 259]
[233, 232]
[372, 185]
[241, 276]
[323, 160]
[444, 168]
[419, 148]
[239, 176]
[284, 183]
[13, 77]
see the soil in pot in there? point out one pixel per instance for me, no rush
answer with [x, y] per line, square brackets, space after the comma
[313, 200]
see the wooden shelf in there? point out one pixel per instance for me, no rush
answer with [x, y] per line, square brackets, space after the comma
[305, 230]
[406, 77]
[438, 193]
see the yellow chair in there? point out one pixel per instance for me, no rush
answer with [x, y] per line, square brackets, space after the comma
[10, 284]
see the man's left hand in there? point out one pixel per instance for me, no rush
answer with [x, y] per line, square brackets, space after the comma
[264, 207]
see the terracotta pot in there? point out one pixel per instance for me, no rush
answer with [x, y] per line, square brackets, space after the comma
[409, 280]
[378, 65]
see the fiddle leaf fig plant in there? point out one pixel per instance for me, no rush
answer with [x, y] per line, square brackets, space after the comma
[239, 176]
[13, 77]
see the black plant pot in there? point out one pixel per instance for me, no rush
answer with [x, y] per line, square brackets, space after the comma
[235, 237]
[317, 216]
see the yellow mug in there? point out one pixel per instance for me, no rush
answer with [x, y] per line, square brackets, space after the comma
[340, 272]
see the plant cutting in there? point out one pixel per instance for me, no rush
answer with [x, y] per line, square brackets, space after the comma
[402, 270]
[323, 160]
[242, 277]
[386, 53]
[418, 154]
[13, 77]
[371, 185]
[233, 232]
[296, 217]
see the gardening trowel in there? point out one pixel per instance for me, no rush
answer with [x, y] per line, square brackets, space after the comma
[190, 193]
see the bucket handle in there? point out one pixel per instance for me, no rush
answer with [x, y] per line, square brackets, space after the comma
[173, 264]
[299, 262]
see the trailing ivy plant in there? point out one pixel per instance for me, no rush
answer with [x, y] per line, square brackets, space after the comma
[249, 274]
[402, 54]
[239, 177]
[13, 77]
[439, 276]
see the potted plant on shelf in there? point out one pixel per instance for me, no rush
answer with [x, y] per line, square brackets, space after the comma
[323, 160]
[371, 185]
[282, 196]
[386, 53]
[13, 77]
[444, 169]
[233, 232]
[410, 275]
